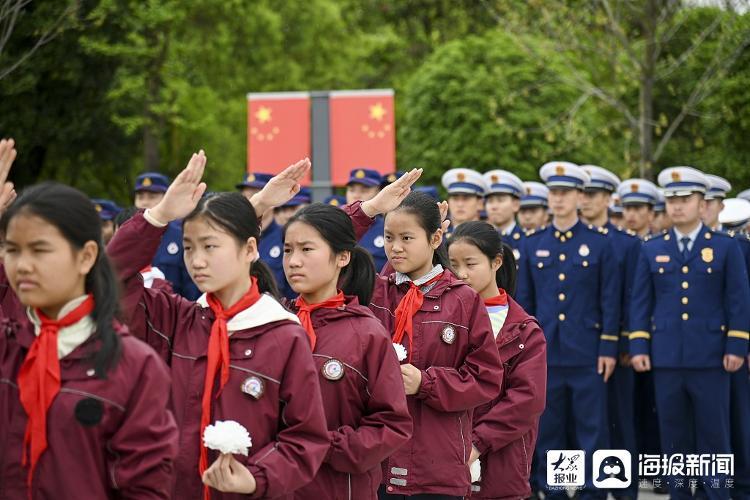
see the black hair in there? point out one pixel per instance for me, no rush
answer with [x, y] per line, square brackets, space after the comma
[487, 239]
[125, 215]
[424, 207]
[236, 215]
[335, 227]
[73, 214]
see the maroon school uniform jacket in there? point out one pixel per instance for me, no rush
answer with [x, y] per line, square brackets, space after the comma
[455, 349]
[111, 438]
[272, 391]
[365, 408]
[505, 430]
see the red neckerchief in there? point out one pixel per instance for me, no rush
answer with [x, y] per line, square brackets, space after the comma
[304, 310]
[407, 308]
[218, 359]
[498, 300]
[39, 380]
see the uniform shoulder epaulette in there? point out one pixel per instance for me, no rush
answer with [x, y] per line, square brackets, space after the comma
[652, 237]
[597, 229]
[622, 230]
[726, 234]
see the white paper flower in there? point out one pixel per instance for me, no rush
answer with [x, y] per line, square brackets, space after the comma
[476, 471]
[227, 436]
[400, 351]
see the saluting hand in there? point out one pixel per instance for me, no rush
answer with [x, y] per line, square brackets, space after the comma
[443, 207]
[281, 188]
[392, 195]
[7, 157]
[412, 378]
[184, 193]
[228, 475]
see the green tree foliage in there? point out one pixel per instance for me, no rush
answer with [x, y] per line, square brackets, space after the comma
[127, 85]
[486, 102]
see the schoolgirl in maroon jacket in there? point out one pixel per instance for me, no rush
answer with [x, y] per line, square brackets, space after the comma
[505, 430]
[453, 364]
[359, 374]
[83, 405]
[236, 353]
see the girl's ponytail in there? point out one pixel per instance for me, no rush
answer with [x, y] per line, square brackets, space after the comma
[505, 277]
[266, 281]
[358, 277]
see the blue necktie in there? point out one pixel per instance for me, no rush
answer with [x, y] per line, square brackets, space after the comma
[684, 240]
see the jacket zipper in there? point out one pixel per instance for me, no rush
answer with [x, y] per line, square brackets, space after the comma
[463, 442]
[525, 455]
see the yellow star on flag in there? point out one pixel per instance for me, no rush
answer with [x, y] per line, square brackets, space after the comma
[377, 112]
[263, 114]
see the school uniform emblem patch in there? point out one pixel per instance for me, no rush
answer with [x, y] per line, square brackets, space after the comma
[333, 369]
[378, 242]
[173, 248]
[89, 412]
[448, 335]
[253, 387]
[275, 252]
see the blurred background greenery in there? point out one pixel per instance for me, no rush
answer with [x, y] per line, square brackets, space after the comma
[96, 91]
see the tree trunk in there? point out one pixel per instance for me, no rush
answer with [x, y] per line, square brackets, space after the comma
[646, 95]
[155, 123]
[150, 149]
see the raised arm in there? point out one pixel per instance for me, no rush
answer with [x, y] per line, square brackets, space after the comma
[154, 315]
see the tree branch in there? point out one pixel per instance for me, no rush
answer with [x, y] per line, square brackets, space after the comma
[44, 39]
[701, 89]
[689, 51]
[620, 35]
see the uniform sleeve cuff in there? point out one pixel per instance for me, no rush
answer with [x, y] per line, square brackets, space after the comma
[153, 220]
[737, 343]
[331, 440]
[608, 345]
[639, 343]
[261, 482]
[479, 444]
[425, 388]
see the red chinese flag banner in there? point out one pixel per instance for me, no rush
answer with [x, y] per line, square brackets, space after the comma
[278, 130]
[363, 132]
